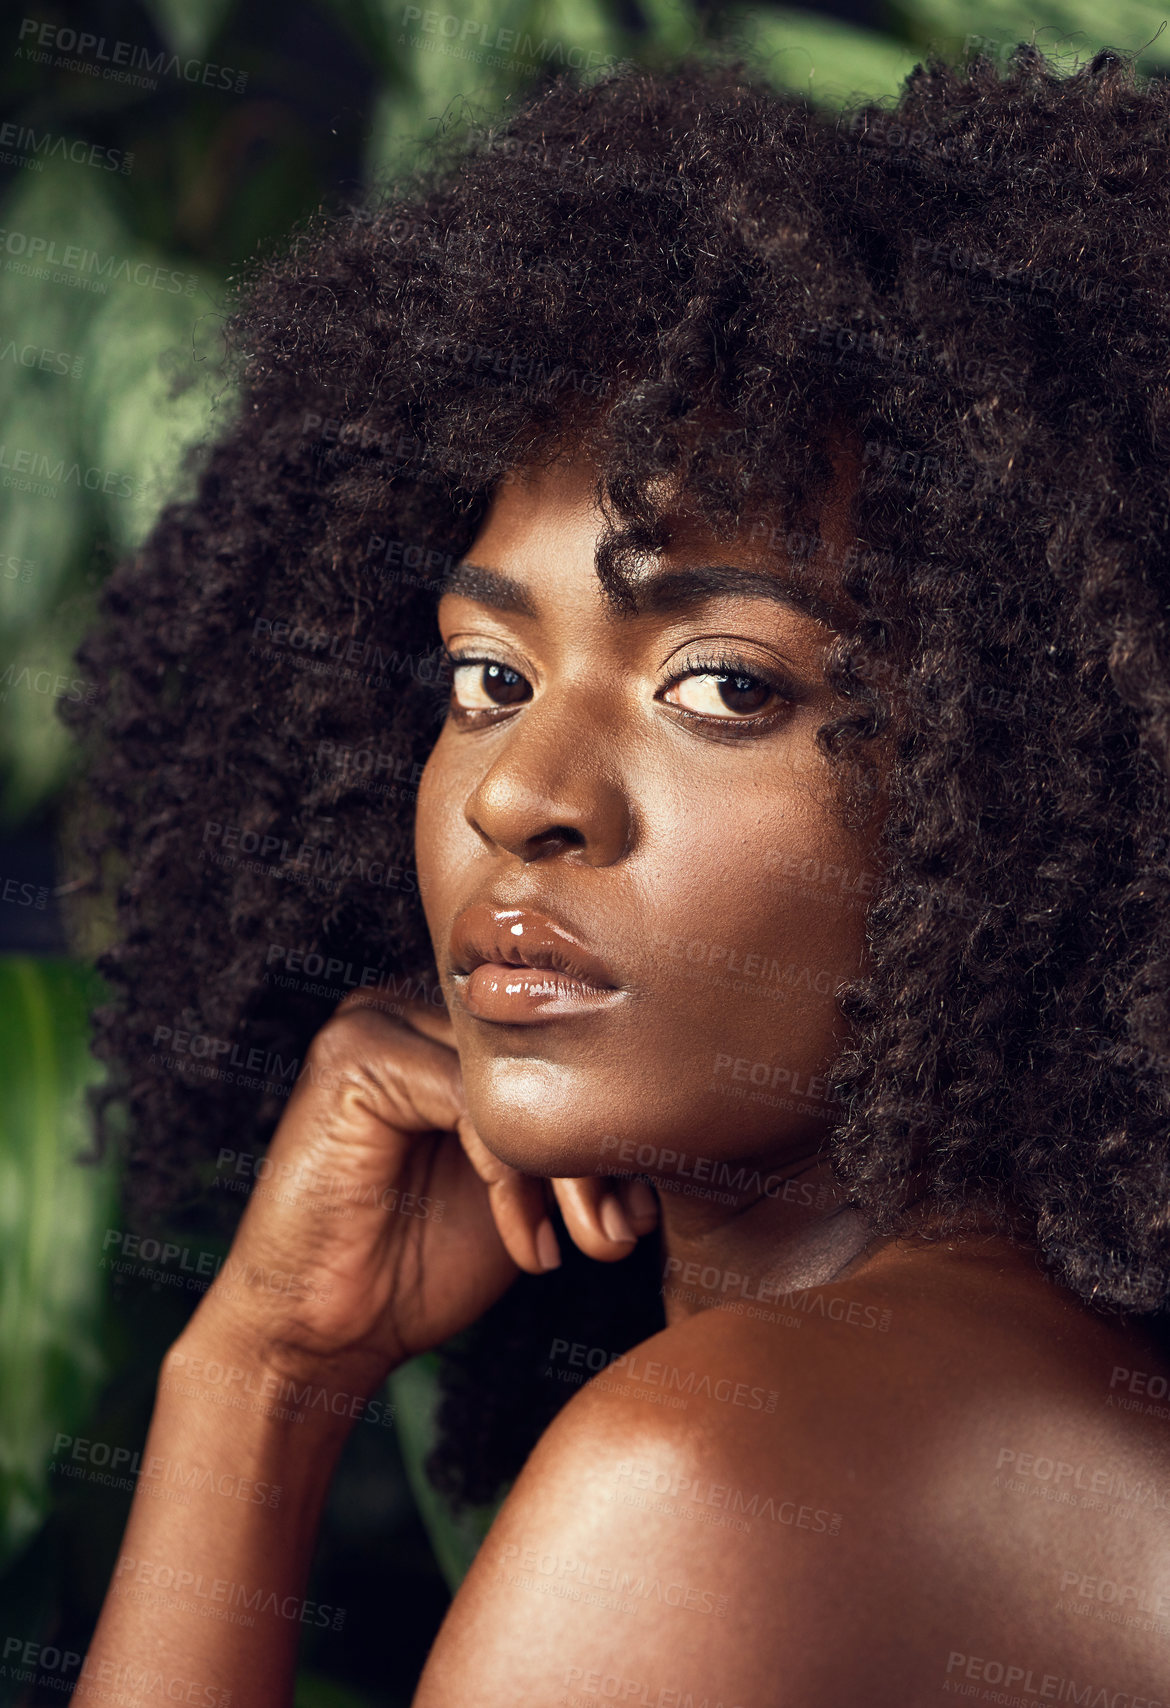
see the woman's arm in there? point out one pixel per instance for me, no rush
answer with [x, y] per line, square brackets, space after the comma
[210, 1594]
[372, 1238]
[382, 1228]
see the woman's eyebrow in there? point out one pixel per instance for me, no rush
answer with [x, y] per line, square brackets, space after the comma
[488, 587]
[661, 590]
[674, 588]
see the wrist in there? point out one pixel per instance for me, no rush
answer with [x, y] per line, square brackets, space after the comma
[243, 1370]
[264, 1314]
[271, 1389]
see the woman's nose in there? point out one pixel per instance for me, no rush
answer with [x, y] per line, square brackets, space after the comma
[555, 786]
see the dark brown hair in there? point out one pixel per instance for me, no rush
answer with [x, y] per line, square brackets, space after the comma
[973, 281]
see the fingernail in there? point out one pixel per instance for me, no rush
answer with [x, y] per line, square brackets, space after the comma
[613, 1220]
[641, 1200]
[547, 1249]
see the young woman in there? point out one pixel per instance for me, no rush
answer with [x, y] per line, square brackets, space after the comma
[788, 917]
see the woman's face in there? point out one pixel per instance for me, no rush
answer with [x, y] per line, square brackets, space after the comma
[647, 786]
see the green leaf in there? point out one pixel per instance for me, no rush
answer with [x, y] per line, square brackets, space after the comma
[461, 64]
[1067, 30]
[44, 219]
[672, 26]
[454, 1536]
[52, 1212]
[315, 1691]
[37, 672]
[88, 453]
[188, 26]
[152, 388]
[828, 61]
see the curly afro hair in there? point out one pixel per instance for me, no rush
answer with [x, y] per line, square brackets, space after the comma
[693, 276]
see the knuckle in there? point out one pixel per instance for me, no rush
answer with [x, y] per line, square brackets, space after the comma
[367, 1061]
[347, 1046]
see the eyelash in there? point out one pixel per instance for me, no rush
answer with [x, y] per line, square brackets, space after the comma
[716, 664]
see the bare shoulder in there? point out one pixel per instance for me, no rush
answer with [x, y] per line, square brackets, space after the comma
[902, 1487]
[643, 1552]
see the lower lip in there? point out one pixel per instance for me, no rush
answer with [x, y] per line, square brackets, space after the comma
[523, 995]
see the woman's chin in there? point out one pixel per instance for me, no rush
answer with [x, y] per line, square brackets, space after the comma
[538, 1147]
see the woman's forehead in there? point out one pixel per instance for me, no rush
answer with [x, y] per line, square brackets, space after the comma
[546, 502]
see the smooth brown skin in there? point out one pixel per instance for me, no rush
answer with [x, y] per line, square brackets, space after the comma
[598, 802]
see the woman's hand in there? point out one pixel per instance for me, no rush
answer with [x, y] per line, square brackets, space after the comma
[383, 1225]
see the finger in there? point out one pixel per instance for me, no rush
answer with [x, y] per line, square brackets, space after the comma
[516, 1200]
[366, 1058]
[641, 1205]
[517, 1204]
[597, 1218]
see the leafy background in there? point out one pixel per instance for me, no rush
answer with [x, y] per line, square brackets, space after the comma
[324, 99]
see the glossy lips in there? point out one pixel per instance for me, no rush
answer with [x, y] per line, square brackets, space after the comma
[517, 966]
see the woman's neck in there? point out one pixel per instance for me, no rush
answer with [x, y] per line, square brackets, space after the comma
[795, 1231]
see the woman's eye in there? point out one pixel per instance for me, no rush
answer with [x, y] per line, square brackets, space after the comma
[479, 684]
[715, 693]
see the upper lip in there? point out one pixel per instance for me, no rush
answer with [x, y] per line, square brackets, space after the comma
[483, 932]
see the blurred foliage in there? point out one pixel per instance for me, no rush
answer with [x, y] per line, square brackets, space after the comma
[455, 1536]
[51, 1216]
[116, 260]
[322, 101]
[314, 1691]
